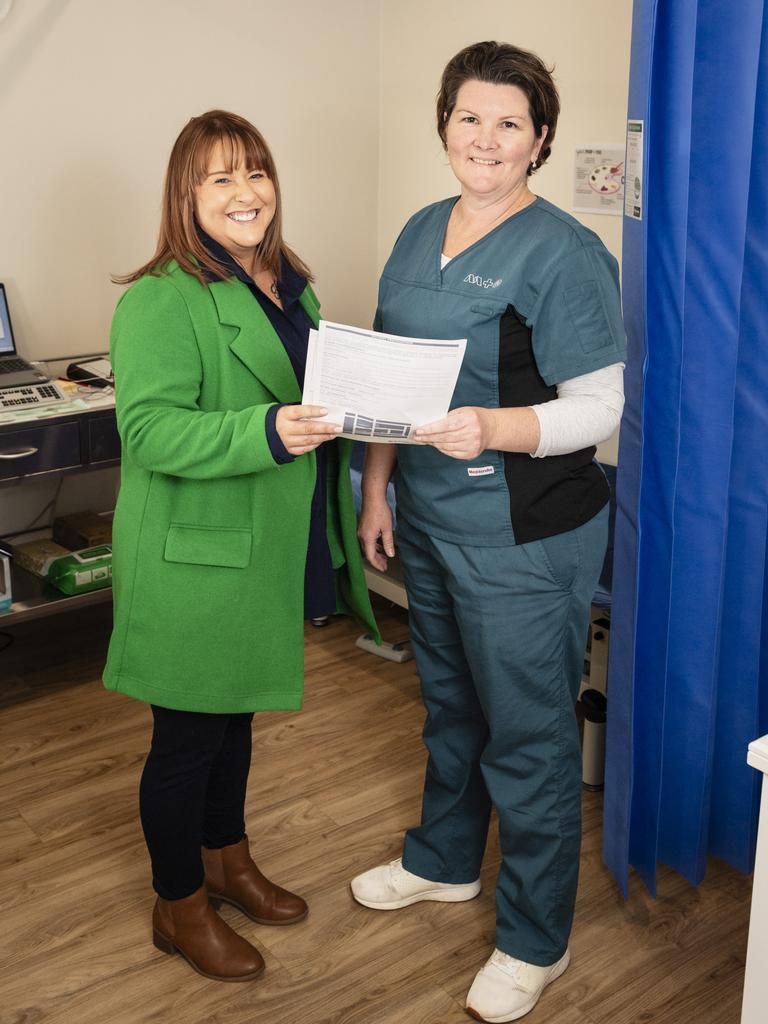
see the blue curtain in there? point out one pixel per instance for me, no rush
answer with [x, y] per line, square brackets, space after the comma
[688, 669]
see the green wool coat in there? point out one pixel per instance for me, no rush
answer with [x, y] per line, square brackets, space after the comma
[210, 533]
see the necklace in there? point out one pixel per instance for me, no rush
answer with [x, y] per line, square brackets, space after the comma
[253, 274]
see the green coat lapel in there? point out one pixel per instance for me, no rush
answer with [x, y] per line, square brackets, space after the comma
[256, 343]
[309, 301]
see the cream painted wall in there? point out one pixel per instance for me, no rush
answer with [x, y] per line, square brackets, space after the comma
[92, 94]
[590, 52]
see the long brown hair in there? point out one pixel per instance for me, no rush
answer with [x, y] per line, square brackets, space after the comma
[188, 165]
[503, 64]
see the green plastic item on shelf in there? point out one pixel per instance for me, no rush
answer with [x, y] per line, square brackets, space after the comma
[81, 571]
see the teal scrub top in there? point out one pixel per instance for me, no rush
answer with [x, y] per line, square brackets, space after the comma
[537, 299]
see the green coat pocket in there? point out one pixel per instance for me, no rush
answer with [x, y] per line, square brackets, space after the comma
[208, 545]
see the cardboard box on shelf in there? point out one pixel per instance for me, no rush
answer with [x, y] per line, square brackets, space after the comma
[36, 555]
[82, 530]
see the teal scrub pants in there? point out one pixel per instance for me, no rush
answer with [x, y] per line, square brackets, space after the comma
[499, 635]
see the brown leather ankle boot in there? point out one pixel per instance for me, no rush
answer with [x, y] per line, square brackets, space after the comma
[193, 928]
[232, 877]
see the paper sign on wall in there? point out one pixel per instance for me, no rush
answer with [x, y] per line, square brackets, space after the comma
[598, 183]
[633, 198]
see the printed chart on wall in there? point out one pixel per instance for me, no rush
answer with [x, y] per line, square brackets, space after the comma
[598, 180]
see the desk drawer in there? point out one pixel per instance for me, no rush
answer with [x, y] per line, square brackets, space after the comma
[103, 439]
[39, 449]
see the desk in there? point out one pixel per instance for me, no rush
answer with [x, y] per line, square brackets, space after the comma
[72, 442]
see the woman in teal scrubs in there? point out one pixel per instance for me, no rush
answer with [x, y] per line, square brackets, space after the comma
[502, 518]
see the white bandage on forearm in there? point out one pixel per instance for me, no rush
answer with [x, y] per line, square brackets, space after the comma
[586, 411]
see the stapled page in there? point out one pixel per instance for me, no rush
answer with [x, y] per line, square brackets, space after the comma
[380, 387]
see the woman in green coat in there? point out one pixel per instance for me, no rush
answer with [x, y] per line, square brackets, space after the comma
[235, 521]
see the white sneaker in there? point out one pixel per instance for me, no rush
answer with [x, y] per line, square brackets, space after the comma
[390, 886]
[506, 989]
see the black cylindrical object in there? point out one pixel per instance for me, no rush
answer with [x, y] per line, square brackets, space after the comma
[594, 707]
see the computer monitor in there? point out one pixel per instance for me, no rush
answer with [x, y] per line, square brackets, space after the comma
[7, 345]
[14, 371]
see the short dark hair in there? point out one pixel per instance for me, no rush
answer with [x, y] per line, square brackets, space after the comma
[503, 64]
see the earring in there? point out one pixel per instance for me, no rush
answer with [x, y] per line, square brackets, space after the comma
[534, 165]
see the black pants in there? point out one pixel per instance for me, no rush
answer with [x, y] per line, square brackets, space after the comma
[192, 793]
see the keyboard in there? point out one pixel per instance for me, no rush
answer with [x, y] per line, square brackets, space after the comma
[30, 397]
[13, 365]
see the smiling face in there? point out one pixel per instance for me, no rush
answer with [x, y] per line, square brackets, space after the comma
[490, 140]
[236, 206]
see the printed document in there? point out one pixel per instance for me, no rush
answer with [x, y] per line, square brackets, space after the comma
[380, 387]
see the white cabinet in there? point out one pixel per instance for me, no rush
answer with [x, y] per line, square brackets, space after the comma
[755, 1006]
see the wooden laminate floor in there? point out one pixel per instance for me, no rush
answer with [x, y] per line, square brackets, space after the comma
[331, 791]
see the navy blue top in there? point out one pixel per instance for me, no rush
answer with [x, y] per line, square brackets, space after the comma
[292, 325]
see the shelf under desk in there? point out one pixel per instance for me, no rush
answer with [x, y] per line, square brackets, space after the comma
[32, 449]
[34, 598]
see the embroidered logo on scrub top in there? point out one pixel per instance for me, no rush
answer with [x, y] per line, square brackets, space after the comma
[480, 470]
[482, 282]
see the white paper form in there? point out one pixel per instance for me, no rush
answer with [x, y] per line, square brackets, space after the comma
[380, 387]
